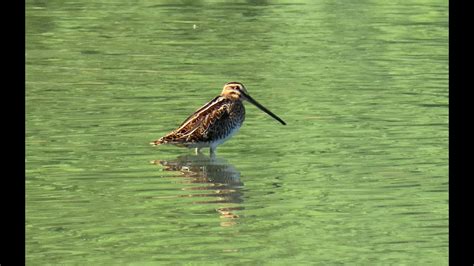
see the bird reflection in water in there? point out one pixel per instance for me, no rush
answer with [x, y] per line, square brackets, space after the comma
[215, 177]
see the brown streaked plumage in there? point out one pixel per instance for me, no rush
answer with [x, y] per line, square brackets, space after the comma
[215, 122]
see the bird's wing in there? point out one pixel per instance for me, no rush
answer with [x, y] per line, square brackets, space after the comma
[195, 127]
[202, 108]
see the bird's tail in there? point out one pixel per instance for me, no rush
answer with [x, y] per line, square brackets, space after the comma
[158, 142]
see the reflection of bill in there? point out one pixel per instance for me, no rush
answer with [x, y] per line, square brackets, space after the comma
[219, 180]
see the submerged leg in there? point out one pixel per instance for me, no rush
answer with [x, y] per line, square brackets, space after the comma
[213, 151]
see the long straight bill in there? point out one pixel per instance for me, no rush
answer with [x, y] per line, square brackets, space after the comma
[261, 107]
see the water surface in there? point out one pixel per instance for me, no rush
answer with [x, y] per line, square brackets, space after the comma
[359, 175]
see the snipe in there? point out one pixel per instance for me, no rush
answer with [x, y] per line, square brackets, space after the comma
[215, 122]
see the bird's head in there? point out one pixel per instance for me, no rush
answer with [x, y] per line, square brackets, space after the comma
[237, 91]
[234, 90]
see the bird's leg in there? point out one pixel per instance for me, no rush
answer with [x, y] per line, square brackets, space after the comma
[198, 150]
[213, 152]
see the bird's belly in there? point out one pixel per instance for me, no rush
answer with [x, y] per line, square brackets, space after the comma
[224, 138]
[212, 143]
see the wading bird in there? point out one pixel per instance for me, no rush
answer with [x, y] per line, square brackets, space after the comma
[215, 122]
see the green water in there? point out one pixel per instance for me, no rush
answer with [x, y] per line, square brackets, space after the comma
[358, 176]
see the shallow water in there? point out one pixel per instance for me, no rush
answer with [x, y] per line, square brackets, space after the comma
[358, 175]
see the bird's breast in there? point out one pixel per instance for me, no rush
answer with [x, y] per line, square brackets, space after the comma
[228, 124]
